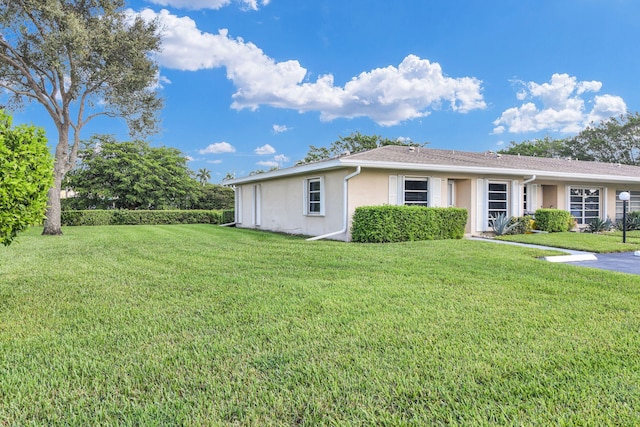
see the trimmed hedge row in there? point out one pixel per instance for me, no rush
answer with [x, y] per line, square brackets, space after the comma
[386, 224]
[146, 217]
[553, 220]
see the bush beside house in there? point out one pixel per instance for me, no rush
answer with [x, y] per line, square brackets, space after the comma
[386, 224]
[554, 220]
[145, 217]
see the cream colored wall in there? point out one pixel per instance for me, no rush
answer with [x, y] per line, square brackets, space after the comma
[282, 205]
[371, 188]
[282, 199]
[465, 199]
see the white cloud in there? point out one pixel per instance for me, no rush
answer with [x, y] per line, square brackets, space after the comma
[280, 128]
[214, 162]
[208, 4]
[388, 95]
[269, 164]
[281, 158]
[265, 150]
[277, 161]
[559, 107]
[217, 148]
[189, 158]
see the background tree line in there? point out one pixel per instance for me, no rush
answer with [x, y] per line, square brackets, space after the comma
[615, 140]
[134, 175]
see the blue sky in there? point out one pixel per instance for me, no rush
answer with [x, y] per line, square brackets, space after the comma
[250, 84]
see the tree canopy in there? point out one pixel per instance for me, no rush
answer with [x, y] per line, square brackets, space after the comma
[25, 176]
[131, 175]
[615, 140]
[353, 143]
[79, 59]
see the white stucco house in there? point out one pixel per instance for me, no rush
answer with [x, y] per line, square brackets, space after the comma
[318, 199]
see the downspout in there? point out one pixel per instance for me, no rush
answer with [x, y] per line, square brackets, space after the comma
[345, 223]
[526, 181]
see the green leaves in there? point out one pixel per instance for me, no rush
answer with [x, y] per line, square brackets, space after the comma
[131, 175]
[388, 224]
[26, 175]
[353, 143]
[616, 140]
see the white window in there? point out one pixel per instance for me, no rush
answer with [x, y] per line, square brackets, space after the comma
[633, 205]
[497, 199]
[584, 204]
[314, 196]
[416, 191]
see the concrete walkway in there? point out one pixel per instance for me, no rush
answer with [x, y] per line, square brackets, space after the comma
[625, 262]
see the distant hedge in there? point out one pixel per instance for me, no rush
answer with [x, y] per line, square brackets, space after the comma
[553, 220]
[386, 224]
[145, 217]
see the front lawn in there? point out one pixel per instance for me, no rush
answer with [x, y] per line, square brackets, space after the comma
[588, 242]
[203, 325]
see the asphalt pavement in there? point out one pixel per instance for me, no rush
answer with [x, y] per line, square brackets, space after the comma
[624, 262]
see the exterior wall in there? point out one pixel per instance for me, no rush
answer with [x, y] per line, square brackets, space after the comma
[278, 204]
[281, 205]
[466, 199]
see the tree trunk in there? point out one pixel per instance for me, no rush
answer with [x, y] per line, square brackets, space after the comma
[53, 215]
[53, 220]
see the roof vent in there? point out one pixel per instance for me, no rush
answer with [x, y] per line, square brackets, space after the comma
[346, 153]
[412, 149]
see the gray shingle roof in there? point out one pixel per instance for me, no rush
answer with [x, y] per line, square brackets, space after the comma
[456, 158]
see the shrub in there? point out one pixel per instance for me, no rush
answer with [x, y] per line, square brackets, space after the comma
[633, 222]
[522, 224]
[146, 217]
[502, 225]
[384, 224]
[553, 220]
[598, 225]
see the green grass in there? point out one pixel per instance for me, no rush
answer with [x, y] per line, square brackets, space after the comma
[589, 242]
[202, 325]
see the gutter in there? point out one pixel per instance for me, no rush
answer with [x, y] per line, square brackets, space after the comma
[526, 181]
[345, 224]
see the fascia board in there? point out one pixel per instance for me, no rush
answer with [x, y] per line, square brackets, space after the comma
[279, 173]
[477, 170]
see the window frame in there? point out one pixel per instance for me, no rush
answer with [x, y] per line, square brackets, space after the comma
[424, 191]
[580, 207]
[632, 205]
[313, 194]
[507, 196]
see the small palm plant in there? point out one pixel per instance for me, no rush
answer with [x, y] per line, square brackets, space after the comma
[598, 225]
[502, 224]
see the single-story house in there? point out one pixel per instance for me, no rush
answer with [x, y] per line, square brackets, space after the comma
[318, 199]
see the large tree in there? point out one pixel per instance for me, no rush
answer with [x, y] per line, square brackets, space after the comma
[131, 175]
[353, 143]
[80, 59]
[615, 140]
[25, 177]
[539, 147]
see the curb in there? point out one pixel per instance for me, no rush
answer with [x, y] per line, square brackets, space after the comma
[571, 258]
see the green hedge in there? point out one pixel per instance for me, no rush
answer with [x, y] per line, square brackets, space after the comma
[382, 224]
[146, 217]
[553, 220]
